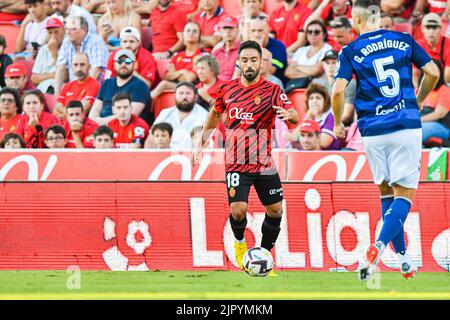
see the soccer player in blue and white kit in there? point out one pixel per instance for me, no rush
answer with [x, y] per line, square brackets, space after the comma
[388, 118]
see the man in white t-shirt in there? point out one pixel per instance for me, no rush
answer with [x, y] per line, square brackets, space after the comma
[32, 29]
[65, 8]
[183, 117]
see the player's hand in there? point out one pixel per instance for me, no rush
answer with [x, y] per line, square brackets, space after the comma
[339, 130]
[196, 155]
[282, 113]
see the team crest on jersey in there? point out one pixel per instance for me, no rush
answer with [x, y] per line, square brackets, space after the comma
[232, 192]
[257, 99]
[296, 17]
[130, 134]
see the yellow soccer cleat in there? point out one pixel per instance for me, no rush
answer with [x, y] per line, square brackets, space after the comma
[272, 274]
[240, 248]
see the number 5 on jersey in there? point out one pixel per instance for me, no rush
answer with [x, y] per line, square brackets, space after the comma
[232, 179]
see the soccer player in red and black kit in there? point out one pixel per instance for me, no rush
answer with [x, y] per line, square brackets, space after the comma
[252, 104]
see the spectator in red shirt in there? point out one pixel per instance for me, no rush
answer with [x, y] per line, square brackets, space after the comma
[78, 127]
[386, 22]
[16, 77]
[33, 124]
[12, 141]
[328, 10]
[226, 51]
[167, 23]
[55, 137]
[103, 138]
[208, 18]
[145, 65]
[436, 45]
[207, 69]
[130, 131]
[181, 67]
[287, 23]
[440, 7]
[84, 88]
[342, 35]
[10, 110]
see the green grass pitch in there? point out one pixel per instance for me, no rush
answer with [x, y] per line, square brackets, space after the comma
[219, 285]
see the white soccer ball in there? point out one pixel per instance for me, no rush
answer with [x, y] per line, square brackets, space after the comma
[257, 262]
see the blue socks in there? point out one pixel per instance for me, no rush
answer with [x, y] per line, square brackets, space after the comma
[394, 212]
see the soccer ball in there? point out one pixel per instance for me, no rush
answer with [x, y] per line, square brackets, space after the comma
[257, 262]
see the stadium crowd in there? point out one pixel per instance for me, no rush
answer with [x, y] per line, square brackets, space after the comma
[143, 74]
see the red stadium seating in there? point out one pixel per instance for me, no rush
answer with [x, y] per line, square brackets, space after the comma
[146, 37]
[271, 5]
[10, 31]
[50, 100]
[163, 101]
[232, 7]
[28, 63]
[298, 99]
[162, 67]
[404, 27]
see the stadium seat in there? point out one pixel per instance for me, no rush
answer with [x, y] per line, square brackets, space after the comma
[162, 67]
[163, 101]
[272, 5]
[50, 100]
[232, 7]
[28, 63]
[404, 27]
[11, 32]
[146, 37]
[298, 99]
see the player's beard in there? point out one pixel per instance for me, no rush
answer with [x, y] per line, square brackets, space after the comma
[185, 106]
[250, 76]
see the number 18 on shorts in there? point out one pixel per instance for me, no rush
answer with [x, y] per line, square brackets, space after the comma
[267, 186]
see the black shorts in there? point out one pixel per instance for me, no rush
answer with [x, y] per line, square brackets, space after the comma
[267, 186]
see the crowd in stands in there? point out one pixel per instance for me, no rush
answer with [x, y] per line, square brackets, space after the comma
[144, 74]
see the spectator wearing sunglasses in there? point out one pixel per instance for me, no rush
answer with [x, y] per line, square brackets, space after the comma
[101, 112]
[307, 61]
[434, 43]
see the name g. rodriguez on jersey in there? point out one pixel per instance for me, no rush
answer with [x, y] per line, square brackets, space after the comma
[381, 45]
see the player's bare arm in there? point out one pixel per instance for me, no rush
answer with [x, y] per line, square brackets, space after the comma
[337, 103]
[431, 76]
[210, 125]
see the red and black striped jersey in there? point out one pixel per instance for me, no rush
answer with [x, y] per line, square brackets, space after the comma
[250, 121]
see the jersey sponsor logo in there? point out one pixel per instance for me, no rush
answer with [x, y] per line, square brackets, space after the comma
[380, 111]
[139, 132]
[239, 114]
[275, 191]
[278, 20]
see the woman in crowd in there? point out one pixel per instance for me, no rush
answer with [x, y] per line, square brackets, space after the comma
[10, 110]
[207, 69]
[35, 120]
[118, 16]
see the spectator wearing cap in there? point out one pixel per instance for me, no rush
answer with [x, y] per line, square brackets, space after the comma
[65, 9]
[101, 112]
[44, 68]
[79, 40]
[78, 126]
[209, 18]
[306, 63]
[83, 89]
[342, 33]
[119, 15]
[32, 28]
[10, 111]
[287, 23]
[309, 135]
[226, 52]
[145, 66]
[181, 66]
[167, 23]
[5, 60]
[328, 10]
[16, 77]
[435, 44]
[329, 65]
[386, 22]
